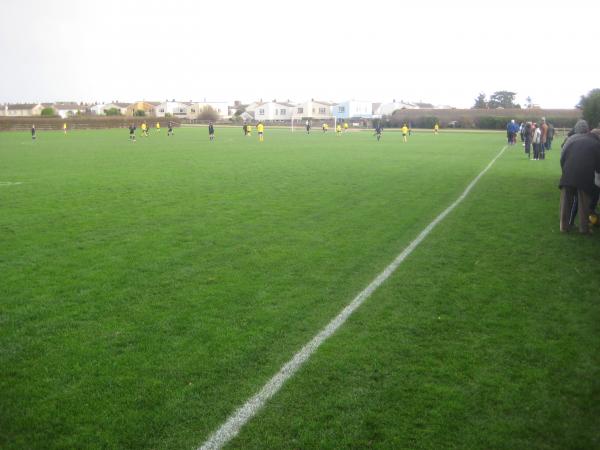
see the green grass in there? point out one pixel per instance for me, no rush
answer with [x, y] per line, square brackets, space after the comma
[148, 290]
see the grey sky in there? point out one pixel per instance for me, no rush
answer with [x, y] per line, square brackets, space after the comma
[440, 52]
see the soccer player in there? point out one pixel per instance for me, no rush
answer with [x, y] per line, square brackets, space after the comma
[345, 126]
[245, 128]
[158, 126]
[65, 127]
[33, 132]
[404, 133]
[248, 130]
[211, 131]
[261, 129]
[144, 129]
[325, 127]
[378, 130]
[170, 131]
[436, 128]
[132, 133]
[308, 127]
[338, 129]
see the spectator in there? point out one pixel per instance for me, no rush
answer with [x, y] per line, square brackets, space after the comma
[550, 136]
[579, 161]
[544, 130]
[596, 193]
[536, 140]
[527, 137]
[511, 132]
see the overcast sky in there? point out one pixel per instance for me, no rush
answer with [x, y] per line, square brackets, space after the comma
[442, 52]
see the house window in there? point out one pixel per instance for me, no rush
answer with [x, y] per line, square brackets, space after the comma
[162, 110]
[300, 110]
[193, 110]
[341, 109]
[282, 112]
[321, 110]
[261, 112]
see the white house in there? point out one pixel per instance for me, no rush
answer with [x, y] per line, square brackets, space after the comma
[68, 109]
[22, 110]
[274, 111]
[252, 106]
[97, 110]
[387, 109]
[100, 109]
[174, 109]
[353, 109]
[195, 109]
[313, 109]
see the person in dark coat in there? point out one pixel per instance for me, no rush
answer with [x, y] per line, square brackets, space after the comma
[596, 193]
[579, 161]
[550, 136]
[527, 138]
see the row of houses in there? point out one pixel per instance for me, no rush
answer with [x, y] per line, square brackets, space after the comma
[259, 111]
[187, 110]
[315, 109]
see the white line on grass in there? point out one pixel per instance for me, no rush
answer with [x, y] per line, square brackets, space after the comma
[10, 183]
[238, 419]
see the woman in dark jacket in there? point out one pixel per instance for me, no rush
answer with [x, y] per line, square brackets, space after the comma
[579, 160]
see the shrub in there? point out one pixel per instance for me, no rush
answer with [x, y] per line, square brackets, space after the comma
[208, 113]
[112, 112]
[590, 105]
[48, 112]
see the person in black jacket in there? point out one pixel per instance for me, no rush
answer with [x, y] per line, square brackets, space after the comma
[579, 160]
[527, 138]
[211, 131]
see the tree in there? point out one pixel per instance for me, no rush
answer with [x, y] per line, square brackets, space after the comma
[112, 112]
[139, 113]
[208, 113]
[590, 106]
[503, 99]
[480, 102]
[48, 112]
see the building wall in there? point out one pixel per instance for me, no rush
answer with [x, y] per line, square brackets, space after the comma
[353, 108]
[314, 110]
[274, 111]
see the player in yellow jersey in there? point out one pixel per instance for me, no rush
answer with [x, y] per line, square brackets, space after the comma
[261, 129]
[345, 126]
[436, 128]
[404, 133]
[248, 130]
[338, 129]
[157, 126]
[65, 127]
[325, 127]
[144, 129]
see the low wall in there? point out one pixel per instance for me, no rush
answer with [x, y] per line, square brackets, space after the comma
[80, 122]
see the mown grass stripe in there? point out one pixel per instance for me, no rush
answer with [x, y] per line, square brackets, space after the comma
[232, 426]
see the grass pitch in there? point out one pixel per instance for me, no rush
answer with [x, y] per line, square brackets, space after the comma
[147, 290]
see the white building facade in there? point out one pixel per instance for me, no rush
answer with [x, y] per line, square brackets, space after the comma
[195, 109]
[353, 109]
[173, 109]
[313, 109]
[274, 111]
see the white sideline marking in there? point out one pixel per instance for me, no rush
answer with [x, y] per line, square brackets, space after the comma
[238, 419]
[10, 183]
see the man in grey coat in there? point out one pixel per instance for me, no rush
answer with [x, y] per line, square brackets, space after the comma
[579, 160]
